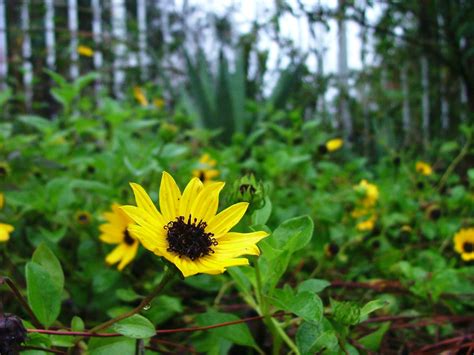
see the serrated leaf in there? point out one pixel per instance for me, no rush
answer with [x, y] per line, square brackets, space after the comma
[313, 285]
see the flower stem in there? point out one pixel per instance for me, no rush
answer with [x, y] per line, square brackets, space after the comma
[22, 300]
[169, 274]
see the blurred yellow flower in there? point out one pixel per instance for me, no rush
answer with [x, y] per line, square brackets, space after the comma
[140, 96]
[159, 103]
[423, 168]
[115, 231]
[206, 171]
[188, 231]
[367, 225]
[334, 144]
[83, 217]
[2, 200]
[370, 192]
[464, 243]
[85, 51]
[5, 230]
[4, 169]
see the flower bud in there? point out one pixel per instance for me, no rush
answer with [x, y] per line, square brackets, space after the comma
[247, 189]
[12, 334]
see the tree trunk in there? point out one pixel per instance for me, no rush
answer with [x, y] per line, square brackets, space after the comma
[343, 71]
[26, 53]
[97, 36]
[425, 100]
[74, 43]
[119, 34]
[50, 38]
[142, 39]
[3, 48]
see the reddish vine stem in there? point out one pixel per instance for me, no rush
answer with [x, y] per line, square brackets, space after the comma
[160, 331]
[380, 285]
[6, 280]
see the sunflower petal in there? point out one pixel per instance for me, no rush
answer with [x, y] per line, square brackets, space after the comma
[144, 201]
[225, 220]
[151, 239]
[142, 217]
[116, 254]
[190, 194]
[232, 245]
[205, 205]
[169, 197]
[128, 256]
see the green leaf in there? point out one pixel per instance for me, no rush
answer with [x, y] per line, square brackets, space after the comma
[107, 346]
[262, 215]
[311, 338]
[306, 305]
[313, 285]
[346, 313]
[44, 296]
[236, 333]
[293, 234]
[136, 326]
[45, 283]
[77, 324]
[163, 308]
[45, 257]
[371, 307]
[373, 340]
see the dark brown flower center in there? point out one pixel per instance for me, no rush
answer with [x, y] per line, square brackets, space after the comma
[127, 238]
[322, 149]
[189, 238]
[468, 247]
[202, 175]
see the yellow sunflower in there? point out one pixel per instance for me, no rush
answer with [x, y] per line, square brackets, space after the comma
[115, 231]
[4, 169]
[85, 51]
[334, 144]
[159, 103]
[367, 224]
[5, 230]
[140, 96]
[83, 217]
[423, 168]
[206, 171]
[464, 243]
[188, 231]
[370, 192]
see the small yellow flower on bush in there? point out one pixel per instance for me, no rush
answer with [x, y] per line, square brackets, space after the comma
[367, 225]
[85, 51]
[423, 168]
[188, 231]
[334, 144]
[206, 171]
[159, 103]
[140, 96]
[4, 169]
[464, 243]
[83, 217]
[5, 229]
[370, 193]
[115, 231]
